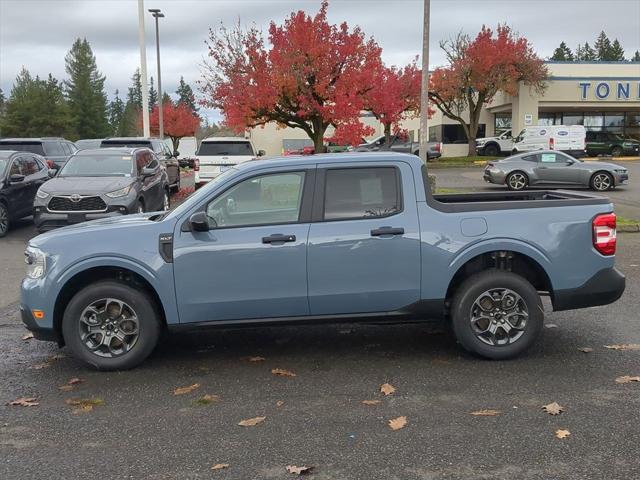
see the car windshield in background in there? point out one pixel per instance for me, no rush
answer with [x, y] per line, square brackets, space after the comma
[128, 143]
[98, 166]
[225, 148]
[23, 147]
[87, 144]
[3, 165]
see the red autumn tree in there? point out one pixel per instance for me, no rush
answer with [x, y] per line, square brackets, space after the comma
[177, 120]
[394, 96]
[312, 76]
[480, 68]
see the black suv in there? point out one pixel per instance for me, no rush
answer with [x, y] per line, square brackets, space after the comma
[21, 174]
[158, 147]
[55, 150]
[607, 143]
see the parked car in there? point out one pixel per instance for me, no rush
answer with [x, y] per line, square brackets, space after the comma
[21, 174]
[550, 168]
[400, 144]
[333, 147]
[102, 183]
[494, 146]
[55, 150]
[568, 139]
[325, 238]
[168, 160]
[218, 154]
[89, 143]
[606, 143]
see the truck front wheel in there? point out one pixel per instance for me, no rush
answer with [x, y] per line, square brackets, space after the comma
[496, 314]
[491, 150]
[111, 325]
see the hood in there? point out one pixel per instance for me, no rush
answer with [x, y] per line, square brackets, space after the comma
[486, 139]
[85, 185]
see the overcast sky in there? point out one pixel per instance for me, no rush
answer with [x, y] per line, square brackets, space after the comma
[38, 33]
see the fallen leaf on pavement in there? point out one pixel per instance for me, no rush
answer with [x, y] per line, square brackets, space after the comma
[25, 402]
[256, 359]
[279, 403]
[397, 423]
[627, 346]
[387, 388]
[586, 349]
[250, 422]
[298, 470]
[74, 381]
[28, 336]
[627, 379]
[67, 387]
[220, 466]
[183, 390]
[208, 399]
[486, 413]
[370, 402]
[40, 366]
[550, 325]
[553, 408]
[282, 372]
[562, 433]
[83, 404]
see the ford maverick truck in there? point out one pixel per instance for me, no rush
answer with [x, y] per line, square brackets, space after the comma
[324, 238]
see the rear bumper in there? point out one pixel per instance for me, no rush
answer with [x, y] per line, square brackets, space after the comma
[603, 288]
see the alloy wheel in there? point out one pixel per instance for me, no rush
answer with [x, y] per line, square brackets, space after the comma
[517, 181]
[109, 327]
[4, 220]
[499, 317]
[602, 182]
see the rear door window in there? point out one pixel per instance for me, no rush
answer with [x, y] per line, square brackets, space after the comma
[227, 149]
[356, 193]
[54, 149]
[33, 147]
[29, 166]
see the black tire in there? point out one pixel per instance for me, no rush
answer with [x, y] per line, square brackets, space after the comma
[4, 220]
[146, 311]
[491, 150]
[616, 151]
[513, 183]
[472, 289]
[601, 181]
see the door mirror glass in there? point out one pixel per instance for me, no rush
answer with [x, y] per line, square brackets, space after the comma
[52, 172]
[200, 222]
[149, 171]
[261, 153]
[16, 178]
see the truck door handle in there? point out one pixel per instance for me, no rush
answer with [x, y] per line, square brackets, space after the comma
[387, 231]
[278, 238]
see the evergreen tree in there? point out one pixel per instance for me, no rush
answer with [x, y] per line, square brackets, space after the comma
[116, 113]
[603, 47]
[617, 52]
[135, 90]
[129, 124]
[186, 96]
[153, 95]
[636, 57]
[563, 53]
[586, 53]
[166, 98]
[85, 92]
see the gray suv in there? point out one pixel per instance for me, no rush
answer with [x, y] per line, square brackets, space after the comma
[55, 150]
[102, 183]
[400, 144]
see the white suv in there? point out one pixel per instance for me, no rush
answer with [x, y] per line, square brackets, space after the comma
[217, 154]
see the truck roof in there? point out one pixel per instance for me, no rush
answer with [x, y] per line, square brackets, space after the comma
[332, 158]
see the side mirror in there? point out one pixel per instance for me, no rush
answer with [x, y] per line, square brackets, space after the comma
[175, 154]
[16, 178]
[261, 153]
[200, 222]
[149, 172]
[52, 172]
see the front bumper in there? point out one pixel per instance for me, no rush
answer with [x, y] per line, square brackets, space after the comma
[39, 332]
[46, 219]
[620, 178]
[605, 287]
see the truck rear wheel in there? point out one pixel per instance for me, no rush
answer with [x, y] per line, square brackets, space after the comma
[111, 325]
[496, 314]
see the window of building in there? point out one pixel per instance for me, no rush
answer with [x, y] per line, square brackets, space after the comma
[572, 119]
[354, 193]
[502, 122]
[549, 118]
[455, 133]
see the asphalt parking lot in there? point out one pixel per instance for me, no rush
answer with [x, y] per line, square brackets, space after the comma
[137, 427]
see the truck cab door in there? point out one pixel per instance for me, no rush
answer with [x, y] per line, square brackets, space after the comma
[364, 242]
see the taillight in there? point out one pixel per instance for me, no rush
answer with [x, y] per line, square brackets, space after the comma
[604, 233]
[196, 165]
[437, 147]
[552, 143]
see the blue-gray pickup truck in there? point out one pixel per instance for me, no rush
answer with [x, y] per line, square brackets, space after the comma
[325, 238]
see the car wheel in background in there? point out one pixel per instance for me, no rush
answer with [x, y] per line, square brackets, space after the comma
[166, 200]
[601, 181]
[140, 207]
[491, 150]
[4, 220]
[496, 314]
[616, 151]
[111, 325]
[517, 181]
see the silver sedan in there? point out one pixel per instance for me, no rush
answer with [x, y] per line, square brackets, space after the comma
[548, 168]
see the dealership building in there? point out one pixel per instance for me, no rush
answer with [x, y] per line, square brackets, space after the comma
[603, 96]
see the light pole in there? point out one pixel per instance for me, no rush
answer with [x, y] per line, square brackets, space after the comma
[143, 70]
[156, 13]
[424, 85]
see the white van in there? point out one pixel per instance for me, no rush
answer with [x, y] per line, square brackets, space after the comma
[568, 139]
[217, 154]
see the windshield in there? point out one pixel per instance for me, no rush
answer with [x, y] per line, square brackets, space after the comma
[98, 166]
[23, 147]
[226, 148]
[125, 143]
[3, 165]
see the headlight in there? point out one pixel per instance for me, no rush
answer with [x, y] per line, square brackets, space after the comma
[621, 171]
[42, 194]
[119, 193]
[36, 262]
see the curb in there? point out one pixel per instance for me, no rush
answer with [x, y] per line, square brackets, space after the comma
[630, 228]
